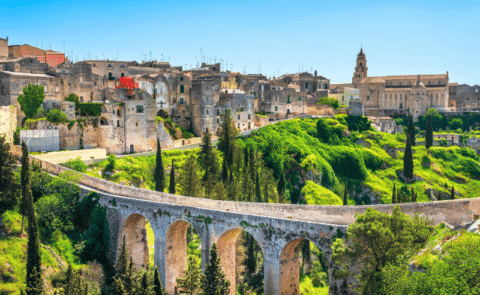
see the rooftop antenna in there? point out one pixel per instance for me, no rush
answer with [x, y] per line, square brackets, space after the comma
[104, 56]
[169, 59]
[50, 45]
[63, 47]
[260, 67]
[231, 66]
[41, 44]
[201, 55]
[150, 55]
[117, 55]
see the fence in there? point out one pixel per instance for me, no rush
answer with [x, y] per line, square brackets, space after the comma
[41, 140]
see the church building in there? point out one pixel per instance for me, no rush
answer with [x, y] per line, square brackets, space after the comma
[389, 95]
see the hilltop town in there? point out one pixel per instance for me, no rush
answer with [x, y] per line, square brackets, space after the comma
[190, 101]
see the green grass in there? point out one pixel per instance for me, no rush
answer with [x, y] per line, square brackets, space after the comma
[139, 171]
[306, 287]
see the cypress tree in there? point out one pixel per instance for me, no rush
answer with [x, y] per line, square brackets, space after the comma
[157, 284]
[144, 288]
[250, 261]
[345, 197]
[189, 179]
[252, 167]
[171, 187]
[207, 158]
[281, 187]
[452, 195]
[8, 180]
[408, 160]
[214, 281]
[411, 130]
[429, 133]
[414, 196]
[224, 169]
[394, 195]
[227, 137]
[24, 183]
[159, 174]
[245, 156]
[122, 263]
[257, 189]
[34, 266]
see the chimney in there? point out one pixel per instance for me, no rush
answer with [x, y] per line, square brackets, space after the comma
[315, 73]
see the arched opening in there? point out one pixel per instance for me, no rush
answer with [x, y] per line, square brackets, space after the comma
[103, 122]
[181, 241]
[137, 240]
[241, 259]
[303, 269]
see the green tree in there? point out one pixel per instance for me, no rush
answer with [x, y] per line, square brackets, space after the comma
[31, 99]
[429, 133]
[408, 160]
[214, 281]
[207, 158]
[159, 174]
[411, 130]
[414, 196]
[122, 263]
[281, 187]
[74, 284]
[171, 187]
[452, 194]
[56, 116]
[224, 169]
[345, 203]
[157, 284]
[258, 193]
[394, 195]
[455, 123]
[250, 261]
[227, 137]
[190, 283]
[144, 288]
[375, 240]
[189, 180]
[9, 185]
[34, 265]
[24, 183]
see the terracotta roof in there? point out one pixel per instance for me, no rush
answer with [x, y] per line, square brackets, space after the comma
[378, 79]
[394, 77]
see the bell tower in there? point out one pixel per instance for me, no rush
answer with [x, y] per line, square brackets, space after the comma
[361, 69]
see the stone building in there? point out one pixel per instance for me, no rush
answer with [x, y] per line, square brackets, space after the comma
[111, 69]
[8, 122]
[3, 48]
[355, 108]
[467, 98]
[285, 103]
[50, 57]
[390, 95]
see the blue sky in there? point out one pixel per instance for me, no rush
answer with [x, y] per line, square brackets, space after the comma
[398, 37]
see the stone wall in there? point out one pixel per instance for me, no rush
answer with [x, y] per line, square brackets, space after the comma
[8, 122]
[321, 110]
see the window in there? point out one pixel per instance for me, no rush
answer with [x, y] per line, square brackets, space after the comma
[118, 112]
[113, 112]
[118, 123]
[122, 75]
[139, 109]
[181, 101]
[306, 85]
[300, 99]
[276, 108]
[81, 98]
[238, 117]
[288, 99]
[122, 67]
[207, 86]
[182, 89]
[137, 124]
[249, 116]
[110, 76]
[368, 97]
[95, 83]
[181, 78]
[207, 112]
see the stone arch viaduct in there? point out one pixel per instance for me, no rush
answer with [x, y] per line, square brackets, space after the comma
[278, 228]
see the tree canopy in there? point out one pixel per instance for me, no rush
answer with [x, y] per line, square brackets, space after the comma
[31, 99]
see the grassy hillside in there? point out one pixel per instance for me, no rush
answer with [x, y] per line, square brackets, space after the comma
[296, 142]
[55, 259]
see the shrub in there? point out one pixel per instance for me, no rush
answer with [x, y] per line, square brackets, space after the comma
[467, 165]
[111, 163]
[330, 101]
[315, 194]
[467, 152]
[93, 109]
[56, 116]
[355, 123]
[77, 165]
[442, 153]
[372, 160]
[53, 214]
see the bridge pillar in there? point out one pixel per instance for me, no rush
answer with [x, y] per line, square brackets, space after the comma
[271, 265]
[159, 258]
[114, 219]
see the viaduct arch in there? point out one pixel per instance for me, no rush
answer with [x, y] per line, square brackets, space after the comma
[278, 228]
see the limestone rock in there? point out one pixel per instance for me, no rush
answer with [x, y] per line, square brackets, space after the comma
[363, 143]
[164, 137]
[475, 227]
